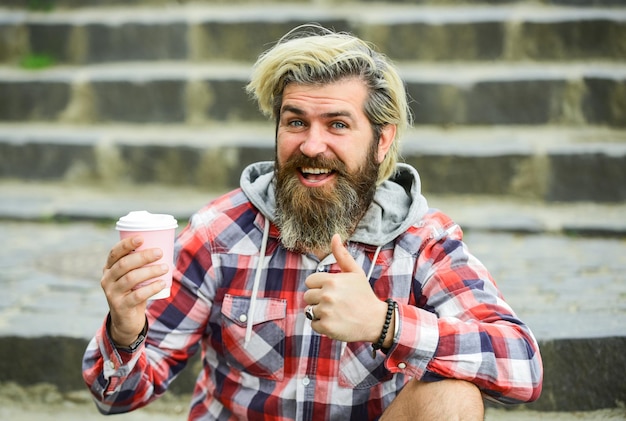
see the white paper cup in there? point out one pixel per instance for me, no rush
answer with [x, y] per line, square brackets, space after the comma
[158, 231]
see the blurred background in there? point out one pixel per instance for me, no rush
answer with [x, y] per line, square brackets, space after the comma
[108, 106]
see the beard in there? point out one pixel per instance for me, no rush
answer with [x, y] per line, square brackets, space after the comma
[309, 217]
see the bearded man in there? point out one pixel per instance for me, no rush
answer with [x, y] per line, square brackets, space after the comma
[324, 288]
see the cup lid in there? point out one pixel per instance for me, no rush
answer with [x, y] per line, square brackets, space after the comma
[145, 221]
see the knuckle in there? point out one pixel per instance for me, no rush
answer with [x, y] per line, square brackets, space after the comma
[307, 296]
[130, 277]
[124, 265]
[134, 297]
[327, 298]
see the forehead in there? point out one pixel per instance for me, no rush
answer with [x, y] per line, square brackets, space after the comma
[344, 96]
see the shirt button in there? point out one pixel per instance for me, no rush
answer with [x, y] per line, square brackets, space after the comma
[320, 268]
[111, 365]
[402, 366]
[243, 318]
[306, 381]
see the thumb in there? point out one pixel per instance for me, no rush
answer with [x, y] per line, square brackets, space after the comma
[342, 255]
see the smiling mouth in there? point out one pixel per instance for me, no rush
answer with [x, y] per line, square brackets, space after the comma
[315, 174]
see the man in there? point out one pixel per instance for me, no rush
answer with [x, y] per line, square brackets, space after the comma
[323, 288]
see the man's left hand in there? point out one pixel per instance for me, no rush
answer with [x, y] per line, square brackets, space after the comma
[344, 304]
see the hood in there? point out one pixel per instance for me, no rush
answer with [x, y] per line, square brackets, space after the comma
[397, 205]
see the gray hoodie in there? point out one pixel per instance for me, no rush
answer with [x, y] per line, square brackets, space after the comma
[397, 205]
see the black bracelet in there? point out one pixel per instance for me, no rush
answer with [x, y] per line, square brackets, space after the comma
[391, 305]
[132, 347]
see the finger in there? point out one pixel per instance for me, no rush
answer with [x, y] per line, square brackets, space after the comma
[130, 271]
[134, 261]
[309, 312]
[313, 294]
[133, 300]
[134, 278]
[342, 255]
[142, 293]
[123, 248]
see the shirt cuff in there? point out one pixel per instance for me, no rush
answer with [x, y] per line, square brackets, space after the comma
[415, 343]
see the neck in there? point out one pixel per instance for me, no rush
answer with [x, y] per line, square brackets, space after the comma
[320, 254]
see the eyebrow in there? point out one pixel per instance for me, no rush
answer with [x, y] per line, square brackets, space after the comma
[300, 112]
[291, 108]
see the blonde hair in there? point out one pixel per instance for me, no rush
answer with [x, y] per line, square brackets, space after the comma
[311, 54]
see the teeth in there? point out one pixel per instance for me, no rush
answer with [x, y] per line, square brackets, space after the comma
[315, 170]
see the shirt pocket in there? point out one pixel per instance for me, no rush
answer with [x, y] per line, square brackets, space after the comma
[357, 368]
[264, 355]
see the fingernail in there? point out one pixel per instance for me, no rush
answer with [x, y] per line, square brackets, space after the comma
[136, 241]
[157, 253]
[165, 267]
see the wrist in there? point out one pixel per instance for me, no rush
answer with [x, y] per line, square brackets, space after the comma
[378, 315]
[386, 334]
[393, 330]
[126, 342]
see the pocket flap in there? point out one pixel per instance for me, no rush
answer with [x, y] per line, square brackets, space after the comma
[235, 308]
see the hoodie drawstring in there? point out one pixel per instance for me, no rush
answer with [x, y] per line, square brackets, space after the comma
[257, 281]
[373, 265]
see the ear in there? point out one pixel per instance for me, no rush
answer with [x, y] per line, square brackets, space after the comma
[387, 135]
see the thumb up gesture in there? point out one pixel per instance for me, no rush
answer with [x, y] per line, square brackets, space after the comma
[343, 304]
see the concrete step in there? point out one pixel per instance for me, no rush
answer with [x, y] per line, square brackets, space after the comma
[566, 284]
[36, 201]
[44, 402]
[542, 163]
[241, 31]
[48, 5]
[442, 94]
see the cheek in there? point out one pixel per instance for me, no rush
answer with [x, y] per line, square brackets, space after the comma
[286, 147]
[282, 151]
[354, 158]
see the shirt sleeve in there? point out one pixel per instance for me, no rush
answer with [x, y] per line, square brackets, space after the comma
[121, 381]
[460, 326]
[109, 372]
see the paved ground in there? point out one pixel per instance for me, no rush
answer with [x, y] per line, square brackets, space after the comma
[43, 403]
[563, 283]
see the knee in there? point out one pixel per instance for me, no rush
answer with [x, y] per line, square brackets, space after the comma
[448, 399]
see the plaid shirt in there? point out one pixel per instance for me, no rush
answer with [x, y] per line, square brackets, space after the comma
[453, 323]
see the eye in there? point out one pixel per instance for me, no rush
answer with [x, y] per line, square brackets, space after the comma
[295, 123]
[339, 125]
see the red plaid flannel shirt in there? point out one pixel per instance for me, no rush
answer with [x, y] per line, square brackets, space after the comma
[453, 323]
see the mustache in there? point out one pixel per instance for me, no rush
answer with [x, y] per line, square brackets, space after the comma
[303, 161]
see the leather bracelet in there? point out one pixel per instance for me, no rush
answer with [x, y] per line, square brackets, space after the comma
[391, 305]
[132, 347]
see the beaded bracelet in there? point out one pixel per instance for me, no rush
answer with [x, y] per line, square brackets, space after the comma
[378, 345]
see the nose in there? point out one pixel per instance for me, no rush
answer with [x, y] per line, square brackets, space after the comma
[313, 143]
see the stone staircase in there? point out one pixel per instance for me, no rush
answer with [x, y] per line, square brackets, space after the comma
[517, 99]
[514, 98]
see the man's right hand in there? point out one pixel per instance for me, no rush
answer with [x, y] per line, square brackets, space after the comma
[123, 271]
